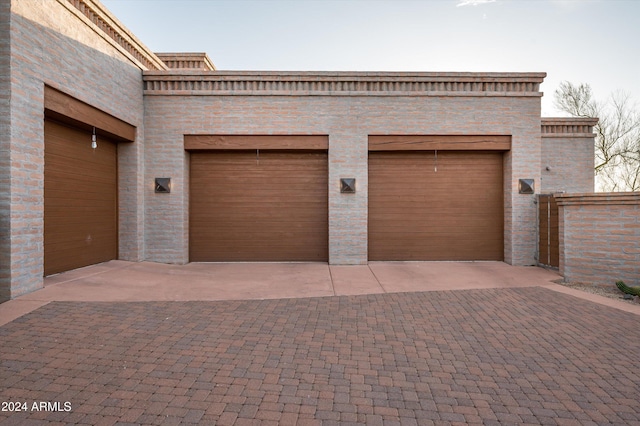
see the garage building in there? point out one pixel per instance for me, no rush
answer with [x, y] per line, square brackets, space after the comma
[111, 151]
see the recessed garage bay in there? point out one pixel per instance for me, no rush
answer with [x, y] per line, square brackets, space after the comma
[258, 205]
[80, 198]
[436, 204]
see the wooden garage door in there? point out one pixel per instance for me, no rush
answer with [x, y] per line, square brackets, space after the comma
[80, 199]
[418, 213]
[258, 206]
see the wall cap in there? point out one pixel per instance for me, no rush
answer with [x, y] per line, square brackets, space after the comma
[114, 32]
[344, 83]
[568, 127]
[187, 60]
[601, 198]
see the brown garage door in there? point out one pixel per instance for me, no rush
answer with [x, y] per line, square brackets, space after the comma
[418, 213]
[266, 206]
[80, 199]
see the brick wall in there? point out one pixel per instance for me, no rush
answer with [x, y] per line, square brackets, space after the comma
[567, 155]
[348, 118]
[5, 155]
[53, 44]
[600, 237]
[83, 51]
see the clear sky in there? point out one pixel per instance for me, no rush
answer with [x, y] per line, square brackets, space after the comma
[581, 41]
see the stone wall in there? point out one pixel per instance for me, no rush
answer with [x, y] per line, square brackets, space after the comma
[600, 237]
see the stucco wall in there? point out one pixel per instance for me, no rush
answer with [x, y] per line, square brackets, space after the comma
[53, 44]
[348, 120]
[600, 237]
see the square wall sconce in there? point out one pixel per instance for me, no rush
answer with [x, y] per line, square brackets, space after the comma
[348, 185]
[163, 185]
[526, 186]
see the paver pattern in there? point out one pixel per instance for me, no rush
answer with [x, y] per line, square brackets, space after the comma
[497, 356]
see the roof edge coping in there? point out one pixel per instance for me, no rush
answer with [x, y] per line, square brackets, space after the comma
[116, 32]
[599, 198]
[187, 60]
[565, 127]
[340, 83]
[444, 76]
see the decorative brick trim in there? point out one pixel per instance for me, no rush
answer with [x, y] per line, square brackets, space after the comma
[113, 31]
[568, 127]
[281, 83]
[197, 61]
[605, 198]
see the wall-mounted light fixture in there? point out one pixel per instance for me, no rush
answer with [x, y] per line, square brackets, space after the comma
[526, 186]
[163, 185]
[348, 185]
[94, 141]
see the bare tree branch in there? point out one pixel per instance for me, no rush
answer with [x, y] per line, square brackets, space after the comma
[617, 142]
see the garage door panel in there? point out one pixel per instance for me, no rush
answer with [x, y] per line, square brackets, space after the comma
[248, 222]
[88, 163]
[85, 182]
[68, 258]
[63, 195]
[462, 230]
[86, 242]
[80, 199]
[262, 229]
[89, 225]
[261, 239]
[418, 212]
[96, 189]
[232, 198]
[403, 250]
[268, 210]
[271, 206]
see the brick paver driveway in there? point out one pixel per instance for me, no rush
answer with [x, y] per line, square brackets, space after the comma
[515, 356]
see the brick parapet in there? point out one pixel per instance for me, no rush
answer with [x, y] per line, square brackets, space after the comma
[107, 26]
[568, 127]
[198, 61]
[600, 237]
[283, 83]
[568, 152]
